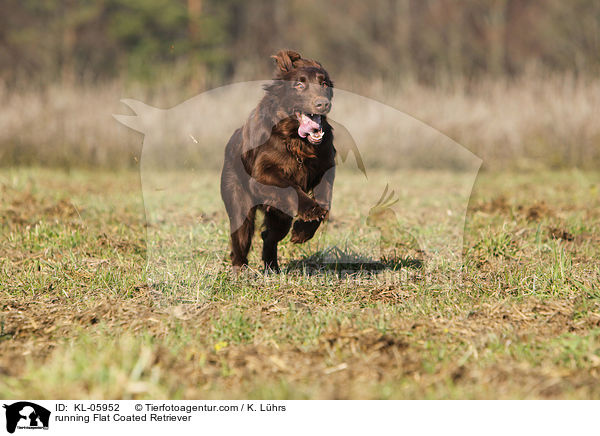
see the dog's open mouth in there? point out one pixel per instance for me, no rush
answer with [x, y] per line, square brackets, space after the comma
[311, 127]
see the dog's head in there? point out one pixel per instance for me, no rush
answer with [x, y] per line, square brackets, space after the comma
[304, 91]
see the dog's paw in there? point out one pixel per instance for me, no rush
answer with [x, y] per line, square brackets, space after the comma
[298, 237]
[314, 213]
[303, 231]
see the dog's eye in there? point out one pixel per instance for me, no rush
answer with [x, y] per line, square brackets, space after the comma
[299, 85]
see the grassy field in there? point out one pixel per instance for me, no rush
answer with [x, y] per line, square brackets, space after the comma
[84, 312]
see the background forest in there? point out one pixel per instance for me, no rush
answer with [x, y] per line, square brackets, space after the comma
[515, 81]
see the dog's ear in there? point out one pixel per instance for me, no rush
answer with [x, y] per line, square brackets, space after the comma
[285, 59]
[256, 131]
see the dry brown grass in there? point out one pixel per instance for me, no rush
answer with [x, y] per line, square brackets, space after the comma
[530, 123]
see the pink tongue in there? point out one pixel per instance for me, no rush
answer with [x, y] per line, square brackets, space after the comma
[307, 126]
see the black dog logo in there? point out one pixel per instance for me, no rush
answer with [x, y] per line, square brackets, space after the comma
[24, 414]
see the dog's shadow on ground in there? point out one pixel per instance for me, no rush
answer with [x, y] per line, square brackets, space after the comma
[344, 262]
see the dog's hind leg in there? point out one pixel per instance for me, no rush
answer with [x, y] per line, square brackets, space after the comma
[277, 226]
[241, 240]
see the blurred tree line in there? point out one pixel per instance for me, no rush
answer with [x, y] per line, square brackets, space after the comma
[210, 42]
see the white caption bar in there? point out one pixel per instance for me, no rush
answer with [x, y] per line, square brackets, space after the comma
[24, 417]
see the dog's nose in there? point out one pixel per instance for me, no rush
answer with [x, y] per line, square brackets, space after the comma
[322, 104]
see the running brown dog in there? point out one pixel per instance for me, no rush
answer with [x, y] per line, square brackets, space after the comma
[281, 161]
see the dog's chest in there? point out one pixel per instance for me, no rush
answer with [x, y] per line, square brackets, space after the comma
[297, 171]
[307, 173]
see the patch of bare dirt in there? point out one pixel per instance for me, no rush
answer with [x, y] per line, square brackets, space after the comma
[557, 233]
[501, 205]
[496, 205]
[123, 245]
[536, 212]
[27, 209]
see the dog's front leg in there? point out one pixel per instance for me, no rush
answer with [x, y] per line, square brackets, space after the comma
[305, 230]
[289, 198]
